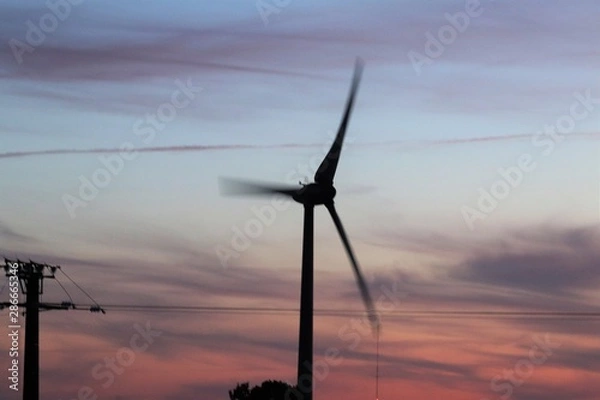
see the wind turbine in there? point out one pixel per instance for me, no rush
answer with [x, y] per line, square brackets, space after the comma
[320, 192]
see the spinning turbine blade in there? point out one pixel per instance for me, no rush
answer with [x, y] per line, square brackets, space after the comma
[235, 187]
[326, 171]
[362, 285]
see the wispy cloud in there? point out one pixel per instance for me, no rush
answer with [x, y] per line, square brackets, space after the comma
[8, 234]
[548, 268]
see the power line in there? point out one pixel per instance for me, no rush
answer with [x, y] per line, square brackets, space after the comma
[321, 312]
[65, 290]
[79, 287]
[348, 312]
[377, 366]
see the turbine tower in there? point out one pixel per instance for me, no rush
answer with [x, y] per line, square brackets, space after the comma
[320, 192]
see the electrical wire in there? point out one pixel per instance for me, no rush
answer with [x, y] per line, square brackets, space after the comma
[318, 312]
[65, 290]
[79, 287]
[349, 313]
[322, 312]
[377, 365]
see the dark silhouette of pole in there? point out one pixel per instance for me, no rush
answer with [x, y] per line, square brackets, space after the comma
[31, 389]
[305, 346]
[31, 275]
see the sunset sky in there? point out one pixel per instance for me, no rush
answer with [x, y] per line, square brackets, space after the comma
[470, 180]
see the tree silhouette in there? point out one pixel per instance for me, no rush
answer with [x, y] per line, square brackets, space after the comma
[268, 390]
[241, 392]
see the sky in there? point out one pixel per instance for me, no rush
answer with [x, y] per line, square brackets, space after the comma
[469, 181]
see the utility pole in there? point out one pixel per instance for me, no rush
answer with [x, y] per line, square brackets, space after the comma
[31, 281]
[30, 276]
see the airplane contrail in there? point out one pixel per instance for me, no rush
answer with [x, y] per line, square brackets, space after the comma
[158, 149]
[224, 147]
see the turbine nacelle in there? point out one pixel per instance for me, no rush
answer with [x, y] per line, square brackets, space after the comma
[315, 194]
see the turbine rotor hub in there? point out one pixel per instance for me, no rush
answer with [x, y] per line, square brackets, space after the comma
[315, 194]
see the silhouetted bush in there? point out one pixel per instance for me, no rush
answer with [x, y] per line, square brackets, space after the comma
[268, 390]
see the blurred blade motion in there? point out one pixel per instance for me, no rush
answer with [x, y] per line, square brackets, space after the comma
[362, 285]
[237, 187]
